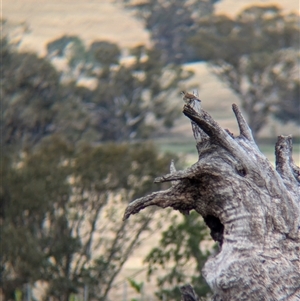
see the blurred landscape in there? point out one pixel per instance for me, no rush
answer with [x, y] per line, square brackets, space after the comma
[92, 20]
[108, 20]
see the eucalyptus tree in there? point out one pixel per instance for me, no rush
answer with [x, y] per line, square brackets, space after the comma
[62, 186]
[171, 24]
[128, 100]
[60, 213]
[256, 54]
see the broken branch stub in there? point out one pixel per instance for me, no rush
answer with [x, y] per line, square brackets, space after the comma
[251, 208]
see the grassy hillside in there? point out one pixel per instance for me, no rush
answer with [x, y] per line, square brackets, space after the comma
[94, 19]
[91, 20]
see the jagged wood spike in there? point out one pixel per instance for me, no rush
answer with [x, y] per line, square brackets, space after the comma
[245, 130]
[218, 135]
[172, 167]
[199, 134]
[205, 122]
[172, 171]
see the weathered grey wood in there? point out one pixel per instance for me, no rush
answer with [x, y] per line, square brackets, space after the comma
[188, 293]
[251, 208]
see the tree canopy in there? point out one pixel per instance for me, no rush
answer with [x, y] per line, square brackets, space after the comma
[35, 104]
[129, 100]
[171, 23]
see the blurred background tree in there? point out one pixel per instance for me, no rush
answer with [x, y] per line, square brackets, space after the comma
[256, 55]
[64, 190]
[35, 104]
[288, 108]
[171, 24]
[129, 100]
[62, 214]
[29, 86]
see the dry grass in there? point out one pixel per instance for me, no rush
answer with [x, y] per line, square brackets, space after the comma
[94, 19]
[90, 20]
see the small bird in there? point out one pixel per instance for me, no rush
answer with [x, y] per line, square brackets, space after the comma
[188, 97]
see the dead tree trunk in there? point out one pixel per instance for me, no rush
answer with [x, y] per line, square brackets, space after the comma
[252, 210]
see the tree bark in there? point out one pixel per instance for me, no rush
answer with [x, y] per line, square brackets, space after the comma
[188, 293]
[251, 208]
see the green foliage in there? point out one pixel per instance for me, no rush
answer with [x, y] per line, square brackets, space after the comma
[179, 255]
[59, 46]
[138, 287]
[18, 295]
[255, 54]
[129, 101]
[62, 195]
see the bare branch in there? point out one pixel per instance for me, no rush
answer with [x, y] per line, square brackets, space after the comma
[179, 197]
[174, 176]
[155, 198]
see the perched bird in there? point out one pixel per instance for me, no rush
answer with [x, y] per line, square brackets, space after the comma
[188, 97]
